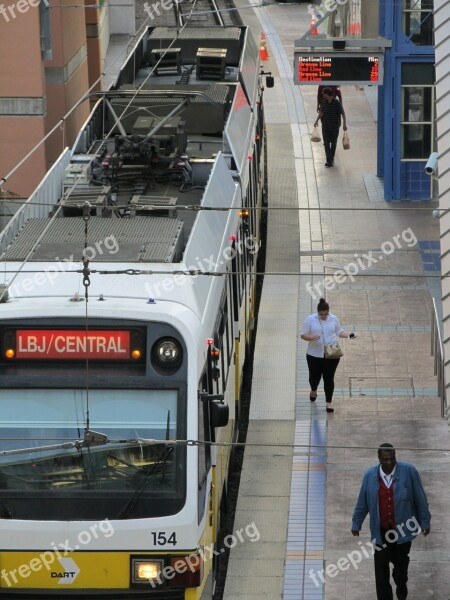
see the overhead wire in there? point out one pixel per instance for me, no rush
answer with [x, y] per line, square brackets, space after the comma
[194, 442]
[201, 207]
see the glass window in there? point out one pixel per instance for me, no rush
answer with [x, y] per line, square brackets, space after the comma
[416, 141]
[204, 451]
[42, 422]
[418, 74]
[46, 38]
[418, 21]
[351, 18]
[417, 111]
[230, 321]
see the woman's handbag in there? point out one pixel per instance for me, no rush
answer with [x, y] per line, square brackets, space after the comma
[346, 141]
[315, 136]
[333, 351]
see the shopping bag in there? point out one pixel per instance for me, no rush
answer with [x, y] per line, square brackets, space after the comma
[346, 141]
[315, 136]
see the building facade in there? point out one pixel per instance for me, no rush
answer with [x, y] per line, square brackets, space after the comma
[44, 72]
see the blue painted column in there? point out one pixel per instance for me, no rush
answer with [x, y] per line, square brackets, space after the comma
[400, 160]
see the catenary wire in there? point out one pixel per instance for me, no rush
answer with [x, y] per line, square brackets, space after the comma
[200, 207]
[196, 273]
[194, 442]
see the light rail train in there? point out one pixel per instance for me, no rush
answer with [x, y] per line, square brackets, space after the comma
[117, 354]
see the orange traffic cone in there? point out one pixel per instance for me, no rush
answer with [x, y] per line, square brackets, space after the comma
[263, 54]
[354, 29]
[312, 26]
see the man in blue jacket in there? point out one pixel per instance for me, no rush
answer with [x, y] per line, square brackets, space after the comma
[393, 495]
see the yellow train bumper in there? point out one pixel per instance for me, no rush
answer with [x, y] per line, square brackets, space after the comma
[54, 572]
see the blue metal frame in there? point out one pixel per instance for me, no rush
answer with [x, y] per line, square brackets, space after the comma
[402, 51]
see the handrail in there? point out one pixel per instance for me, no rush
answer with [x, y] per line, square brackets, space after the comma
[437, 350]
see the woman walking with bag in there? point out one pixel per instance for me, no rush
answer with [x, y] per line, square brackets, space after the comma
[321, 330]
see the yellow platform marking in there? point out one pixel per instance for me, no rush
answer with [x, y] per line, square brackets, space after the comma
[308, 555]
[308, 467]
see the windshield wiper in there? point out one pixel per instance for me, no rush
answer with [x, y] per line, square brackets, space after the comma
[166, 452]
[6, 512]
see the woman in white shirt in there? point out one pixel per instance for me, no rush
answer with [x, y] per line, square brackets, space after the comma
[319, 329]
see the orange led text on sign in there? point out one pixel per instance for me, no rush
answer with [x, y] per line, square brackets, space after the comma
[72, 344]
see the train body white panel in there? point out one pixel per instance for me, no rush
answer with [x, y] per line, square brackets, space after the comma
[102, 535]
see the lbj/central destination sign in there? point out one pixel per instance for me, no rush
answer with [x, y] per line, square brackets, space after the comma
[338, 68]
[72, 344]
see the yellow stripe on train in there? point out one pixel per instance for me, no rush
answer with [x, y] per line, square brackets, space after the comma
[86, 570]
[48, 569]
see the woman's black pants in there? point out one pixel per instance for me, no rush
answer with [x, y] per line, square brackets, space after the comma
[322, 367]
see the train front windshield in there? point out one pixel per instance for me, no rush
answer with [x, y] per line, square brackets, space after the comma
[128, 477]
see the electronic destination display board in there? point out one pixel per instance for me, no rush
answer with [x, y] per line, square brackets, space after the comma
[338, 68]
[72, 344]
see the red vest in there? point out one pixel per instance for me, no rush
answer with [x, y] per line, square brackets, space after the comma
[386, 503]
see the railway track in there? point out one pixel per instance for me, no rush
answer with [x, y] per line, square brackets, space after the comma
[204, 13]
[195, 13]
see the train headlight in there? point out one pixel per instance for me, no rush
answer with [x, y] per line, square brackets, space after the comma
[146, 571]
[168, 352]
[167, 355]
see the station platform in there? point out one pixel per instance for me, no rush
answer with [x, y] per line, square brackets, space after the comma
[303, 467]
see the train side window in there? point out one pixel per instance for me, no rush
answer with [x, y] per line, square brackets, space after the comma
[224, 351]
[216, 383]
[204, 450]
[235, 282]
[230, 321]
[223, 368]
[227, 336]
[242, 262]
[255, 164]
[250, 203]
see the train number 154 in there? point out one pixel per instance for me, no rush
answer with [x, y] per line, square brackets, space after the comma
[161, 538]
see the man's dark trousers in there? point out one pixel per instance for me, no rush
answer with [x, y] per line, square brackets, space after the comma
[330, 138]
[398, 555]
